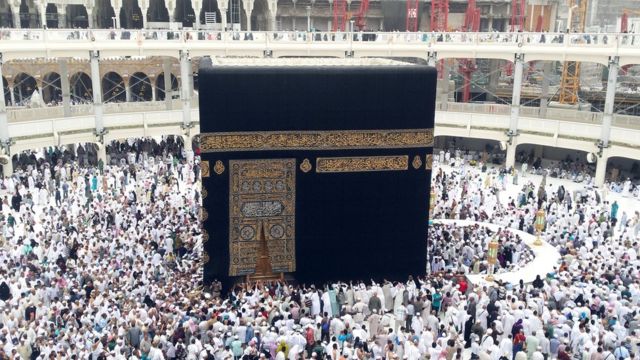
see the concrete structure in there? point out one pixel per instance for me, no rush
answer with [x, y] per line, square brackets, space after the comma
[606, 134]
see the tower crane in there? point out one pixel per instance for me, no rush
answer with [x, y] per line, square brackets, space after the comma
[468, 66]
[570, 83]
[412, 15]
[361, 15]
[439, 23]
[339, 15]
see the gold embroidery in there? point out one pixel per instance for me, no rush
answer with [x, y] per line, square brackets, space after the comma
[204, 165]
[218, 167]
[362, 163]
[205, 257]
[205, 236]
[417, 162]
[306, 166]
[205, 193]
[319, 140]
[204, 214]
[261, 192]
[429, 161]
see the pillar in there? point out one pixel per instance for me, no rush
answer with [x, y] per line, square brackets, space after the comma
[609, 101]
[601, 169]
[444, 96]
[5, 141]
[544, 96]
[12, 95]
[42, 7]
[248, 9]
[185, 88]
[223, 5]
[97, 90]
[90, 17]
[166, 68]
[16, 17]
[66, 91]
[153, 89]
[432, 58]
[517, 90]
[62, 16]
[127, 89]
[511, 153]
[273, 10]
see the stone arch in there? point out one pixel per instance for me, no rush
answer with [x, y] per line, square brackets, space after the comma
[51, 14]
[131, 15]
[104, 14]
[6, 17]
[261, 16]
[157, 11]
[51, 88]
[210, 6]
[78, 16]
[81, 88]
[140, 87]
[23, 87]
[113, 88]
[160, 93]
[184, 13]
[25, 15]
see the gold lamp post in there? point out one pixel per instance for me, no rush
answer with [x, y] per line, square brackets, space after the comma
[432, 202]
[539, 226]
[492, 258]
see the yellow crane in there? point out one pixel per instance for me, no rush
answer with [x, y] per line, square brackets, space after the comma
[570, 83]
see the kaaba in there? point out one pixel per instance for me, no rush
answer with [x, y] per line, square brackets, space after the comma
[329, 165]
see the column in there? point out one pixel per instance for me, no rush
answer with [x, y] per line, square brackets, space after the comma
[223, 6]
[444, 96]
[90, 17]
[609, 101]
[16, 17]
[185, 75]
[97, 91]
[432, 58]
[42, 7]
[153, 88]
[544, 97]
[515, 110]
[66, 91]
[62, 16]
[601, 168]
[248, 9]
[12, 95]
[166, 68]
[127, 90]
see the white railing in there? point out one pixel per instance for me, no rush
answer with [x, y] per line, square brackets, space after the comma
[595, 40]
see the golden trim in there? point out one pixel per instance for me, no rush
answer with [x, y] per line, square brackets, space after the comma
[204, 169]
[316, 140]
[417, 162]
[362, 163]
[205, 236]
[218, 167]
[205, 257]
[204, 193]
[204, 214]
[306, 166]
[429, 161]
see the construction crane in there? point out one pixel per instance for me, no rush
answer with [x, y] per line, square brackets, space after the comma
[440, 23]
[468, 66]
[570, 83]
[412, 15]
[361, 15]
[339, 15]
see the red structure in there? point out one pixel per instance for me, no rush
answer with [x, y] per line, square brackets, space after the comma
[440, 23]
[412, 15]
[517, 15]
[339, 15]
[468, 66]
[439, 15]
[361, 15]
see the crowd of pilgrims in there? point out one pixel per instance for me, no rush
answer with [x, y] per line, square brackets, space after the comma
[104, 262]
[462, 248]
